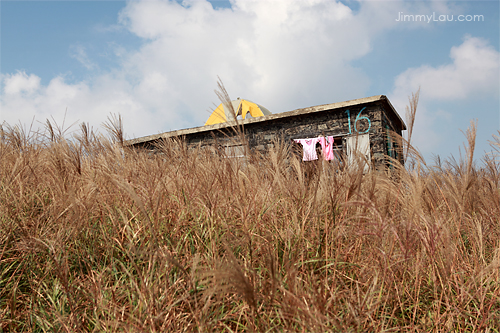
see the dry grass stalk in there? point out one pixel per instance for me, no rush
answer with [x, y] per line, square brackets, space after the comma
[94, 237]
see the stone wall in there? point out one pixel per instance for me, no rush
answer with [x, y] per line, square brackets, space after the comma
[373, 118]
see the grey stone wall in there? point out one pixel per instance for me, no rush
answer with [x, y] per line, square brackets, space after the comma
[370, 118]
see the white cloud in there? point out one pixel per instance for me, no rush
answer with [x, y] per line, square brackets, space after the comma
[281, 54]
[20, 83]
[474, 70]
[71, 102]
[79, 52]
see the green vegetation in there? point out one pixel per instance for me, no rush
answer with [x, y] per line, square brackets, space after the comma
[98, 238]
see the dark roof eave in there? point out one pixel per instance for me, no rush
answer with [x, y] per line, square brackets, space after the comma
[403, 125]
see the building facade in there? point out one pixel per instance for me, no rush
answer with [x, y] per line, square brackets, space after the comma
[368, 125]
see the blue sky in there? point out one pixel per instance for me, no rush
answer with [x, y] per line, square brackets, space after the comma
[156, 62]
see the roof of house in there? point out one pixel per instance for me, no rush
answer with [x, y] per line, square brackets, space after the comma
[302, 111]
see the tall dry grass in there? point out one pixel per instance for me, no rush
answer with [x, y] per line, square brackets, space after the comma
[95, 237]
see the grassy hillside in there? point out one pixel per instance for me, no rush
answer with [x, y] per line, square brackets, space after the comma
[98, 238]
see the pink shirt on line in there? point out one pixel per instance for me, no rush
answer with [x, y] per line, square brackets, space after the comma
[309, 147]
[327, 147]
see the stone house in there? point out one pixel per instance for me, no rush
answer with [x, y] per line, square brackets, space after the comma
[365, 125]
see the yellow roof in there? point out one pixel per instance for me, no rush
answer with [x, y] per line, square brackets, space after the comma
[241, 107]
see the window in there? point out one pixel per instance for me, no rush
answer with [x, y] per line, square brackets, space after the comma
[234, 151]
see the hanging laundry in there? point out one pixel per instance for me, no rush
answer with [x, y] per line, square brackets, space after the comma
[327, 147]
[309, 147]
